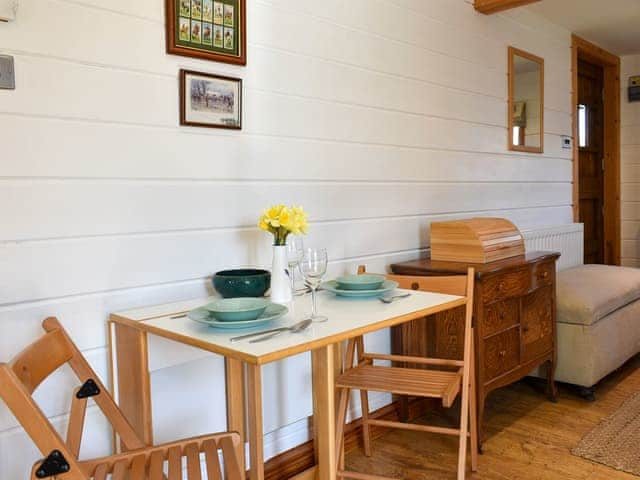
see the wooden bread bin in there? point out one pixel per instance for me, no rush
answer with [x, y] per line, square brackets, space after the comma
[475, 240]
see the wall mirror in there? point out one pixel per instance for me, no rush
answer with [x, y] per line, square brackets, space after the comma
[526, 102]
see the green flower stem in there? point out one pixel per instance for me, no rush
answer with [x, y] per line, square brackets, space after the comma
[280, 236]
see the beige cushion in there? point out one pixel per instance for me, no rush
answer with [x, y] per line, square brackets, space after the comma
[588, 293]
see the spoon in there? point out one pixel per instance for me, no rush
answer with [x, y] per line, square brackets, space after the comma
[297, 328]
[391, 299]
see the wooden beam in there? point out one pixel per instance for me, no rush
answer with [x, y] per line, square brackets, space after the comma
[493, 6]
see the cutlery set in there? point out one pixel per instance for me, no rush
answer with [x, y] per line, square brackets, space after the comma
[237, 313]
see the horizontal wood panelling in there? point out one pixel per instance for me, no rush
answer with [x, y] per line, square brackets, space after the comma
[631, 173]
[379, 116]
[129, 97]
[631, 230]
[245, 157]
[520, 25]
[62, 208]
[630, 169]
[50, 269]
[630, 135]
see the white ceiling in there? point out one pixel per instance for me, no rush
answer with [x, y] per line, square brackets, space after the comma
[612, 24]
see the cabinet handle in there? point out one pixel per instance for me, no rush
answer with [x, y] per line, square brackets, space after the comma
[415, 286]
[544, 275]
[503, 353]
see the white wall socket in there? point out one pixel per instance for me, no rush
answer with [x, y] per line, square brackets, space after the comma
[8, 10]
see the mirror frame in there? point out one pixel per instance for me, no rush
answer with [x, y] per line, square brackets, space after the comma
[523, 148]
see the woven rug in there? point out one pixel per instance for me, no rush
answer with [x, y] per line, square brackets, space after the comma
[615, 442]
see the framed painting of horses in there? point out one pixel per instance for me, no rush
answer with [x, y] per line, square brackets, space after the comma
[207, 29]
[208, 100]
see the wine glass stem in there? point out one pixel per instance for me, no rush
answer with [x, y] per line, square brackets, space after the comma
[292, 278]
[313, 302]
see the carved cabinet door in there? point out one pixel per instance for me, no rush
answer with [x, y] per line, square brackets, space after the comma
[537, 323]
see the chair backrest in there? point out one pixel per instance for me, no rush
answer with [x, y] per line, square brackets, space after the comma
[22, 375]
[450, 284]
[460, 285]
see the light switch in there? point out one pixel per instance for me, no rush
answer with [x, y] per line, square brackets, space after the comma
[7, 74]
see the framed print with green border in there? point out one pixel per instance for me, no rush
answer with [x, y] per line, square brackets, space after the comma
[208, 29]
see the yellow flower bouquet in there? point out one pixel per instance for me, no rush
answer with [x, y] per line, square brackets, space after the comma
[281, 221]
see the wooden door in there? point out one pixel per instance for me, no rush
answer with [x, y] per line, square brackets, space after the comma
[591, 158]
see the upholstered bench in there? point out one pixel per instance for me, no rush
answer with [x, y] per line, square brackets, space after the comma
[598, 322]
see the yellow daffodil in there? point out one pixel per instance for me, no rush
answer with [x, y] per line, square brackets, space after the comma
[282, 221]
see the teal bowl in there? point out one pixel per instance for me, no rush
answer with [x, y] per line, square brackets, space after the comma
[360, 282]
[242, 282]
[237, 309]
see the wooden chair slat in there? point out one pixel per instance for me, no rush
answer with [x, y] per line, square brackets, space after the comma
[120, 470]
[442, 384]
[156, 462]
[175, 463]
[212, 460]
[20, 377]
[229, 444]
[101, 472]
[76, 423]
[138, 467]
[192, 452]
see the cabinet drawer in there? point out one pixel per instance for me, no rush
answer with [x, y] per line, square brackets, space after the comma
[501, 353]
[499, 316]
[508, 285]
[543, 274]
[537, 323]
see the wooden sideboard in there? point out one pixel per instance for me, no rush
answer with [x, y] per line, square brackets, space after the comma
[514, 321]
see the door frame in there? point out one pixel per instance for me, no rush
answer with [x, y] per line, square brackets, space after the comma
[610, 63]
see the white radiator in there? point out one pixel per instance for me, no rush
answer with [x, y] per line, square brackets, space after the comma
[566, 239]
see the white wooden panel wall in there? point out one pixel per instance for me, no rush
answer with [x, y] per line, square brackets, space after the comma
[378, 116]
[630, 167]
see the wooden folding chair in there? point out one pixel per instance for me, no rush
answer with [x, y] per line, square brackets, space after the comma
[437, 378]
[20, 377]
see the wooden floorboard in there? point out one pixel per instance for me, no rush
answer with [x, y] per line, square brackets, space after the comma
[527, 437]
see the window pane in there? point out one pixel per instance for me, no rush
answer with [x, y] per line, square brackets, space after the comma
[582, 125]
[516, 135]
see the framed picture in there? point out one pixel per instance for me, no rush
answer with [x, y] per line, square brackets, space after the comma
[208, 29]
[208, 100]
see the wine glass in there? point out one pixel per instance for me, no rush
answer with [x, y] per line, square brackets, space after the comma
[295, 251]
[313, 267]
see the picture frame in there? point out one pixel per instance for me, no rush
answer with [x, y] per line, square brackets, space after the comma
[207, 29]
[209, 100]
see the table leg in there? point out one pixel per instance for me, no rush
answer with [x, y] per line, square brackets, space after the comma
[234, 370]
[323, 368]
[133, 381]
[256, 435]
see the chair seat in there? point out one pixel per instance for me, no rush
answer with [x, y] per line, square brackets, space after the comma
[404, 381]
[149, 463]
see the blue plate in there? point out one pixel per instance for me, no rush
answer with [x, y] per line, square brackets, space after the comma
[360, 282]
[204, 316]
[387, 286]
[237, 309]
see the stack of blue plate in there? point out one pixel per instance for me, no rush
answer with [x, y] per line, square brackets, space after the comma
[235, 313]
[360, 286]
